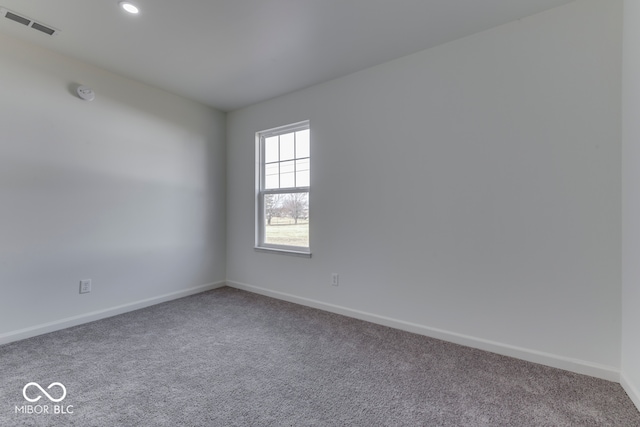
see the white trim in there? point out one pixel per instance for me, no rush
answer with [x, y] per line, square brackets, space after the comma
[282, 250]
[584, 367]
[261, 191]
[279, 130]
[287, 190]
[101, 314]
[634, 393]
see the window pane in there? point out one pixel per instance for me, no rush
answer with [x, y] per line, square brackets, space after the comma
[302, 173]
[287, 219]
[287, 147]
[271, 149]
[302, 143]
[283, 218]
[287, 174]
[272, 206]
[271, 176]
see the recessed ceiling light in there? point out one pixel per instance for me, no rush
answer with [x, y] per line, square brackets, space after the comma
[129, 7]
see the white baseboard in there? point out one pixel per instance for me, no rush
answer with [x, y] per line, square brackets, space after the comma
[574, 365]
[632, 391]
[101, 314]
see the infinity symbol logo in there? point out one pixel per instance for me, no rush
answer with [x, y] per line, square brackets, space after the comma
[64, 392]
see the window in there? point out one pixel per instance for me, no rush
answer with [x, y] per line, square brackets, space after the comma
[282, 184]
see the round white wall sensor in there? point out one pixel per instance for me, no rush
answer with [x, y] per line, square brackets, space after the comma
[86, 93]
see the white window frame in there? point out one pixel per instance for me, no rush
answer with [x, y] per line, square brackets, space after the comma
[260, 216]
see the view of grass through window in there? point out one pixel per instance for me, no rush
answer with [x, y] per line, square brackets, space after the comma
[287, 219]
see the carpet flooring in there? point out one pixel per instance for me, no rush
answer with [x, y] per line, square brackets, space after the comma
[232, 358]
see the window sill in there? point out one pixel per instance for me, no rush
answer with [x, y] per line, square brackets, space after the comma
[280, 251]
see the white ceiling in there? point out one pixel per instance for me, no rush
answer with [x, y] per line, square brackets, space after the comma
[233, 53]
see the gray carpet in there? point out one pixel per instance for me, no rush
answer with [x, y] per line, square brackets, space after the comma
[232, 358]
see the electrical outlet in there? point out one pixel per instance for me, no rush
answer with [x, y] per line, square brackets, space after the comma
[85, 286]
[334, 279]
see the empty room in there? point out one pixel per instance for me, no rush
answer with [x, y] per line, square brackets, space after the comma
[320, 213]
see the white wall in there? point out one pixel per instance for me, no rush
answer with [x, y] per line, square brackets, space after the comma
[631, 202]
[127, 190]
[470, 192]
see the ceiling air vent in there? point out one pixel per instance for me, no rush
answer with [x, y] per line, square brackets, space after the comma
[21, 19]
